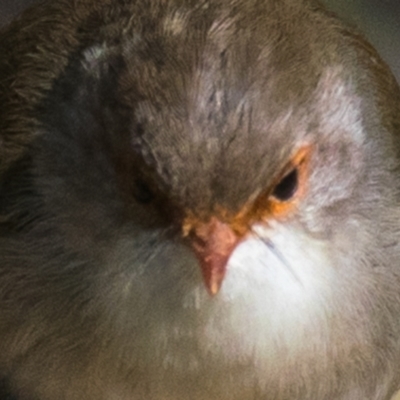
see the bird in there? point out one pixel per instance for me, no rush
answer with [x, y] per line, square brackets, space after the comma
[198, 200]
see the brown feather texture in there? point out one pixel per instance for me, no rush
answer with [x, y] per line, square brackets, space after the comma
[199, 199]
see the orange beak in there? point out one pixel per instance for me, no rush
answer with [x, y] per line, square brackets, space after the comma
[213, 243]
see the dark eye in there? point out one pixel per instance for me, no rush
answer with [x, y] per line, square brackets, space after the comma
[142, 193]
[287, 187]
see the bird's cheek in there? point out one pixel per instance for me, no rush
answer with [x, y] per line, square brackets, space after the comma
[287, 269]
[271, 298]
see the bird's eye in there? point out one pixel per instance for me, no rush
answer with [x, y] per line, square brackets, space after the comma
[287, 186]
[283, 197]
[142, 193]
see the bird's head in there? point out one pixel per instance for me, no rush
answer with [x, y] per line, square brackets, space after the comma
[222, 175]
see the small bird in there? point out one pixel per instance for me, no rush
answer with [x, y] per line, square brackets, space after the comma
[198, 200]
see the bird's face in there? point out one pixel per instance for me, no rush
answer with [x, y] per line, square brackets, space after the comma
[212, 185]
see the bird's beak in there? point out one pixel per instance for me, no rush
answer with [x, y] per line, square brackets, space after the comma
[213, 243]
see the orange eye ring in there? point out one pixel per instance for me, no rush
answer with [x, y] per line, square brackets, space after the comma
[279, 201]
[289, 187]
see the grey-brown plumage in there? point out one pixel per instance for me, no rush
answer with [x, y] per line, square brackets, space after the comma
[145, 143]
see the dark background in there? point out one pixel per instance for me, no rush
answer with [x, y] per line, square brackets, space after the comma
[379, 19]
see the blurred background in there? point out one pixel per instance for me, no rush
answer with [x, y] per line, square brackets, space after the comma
[378, 19]
[380, 22]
